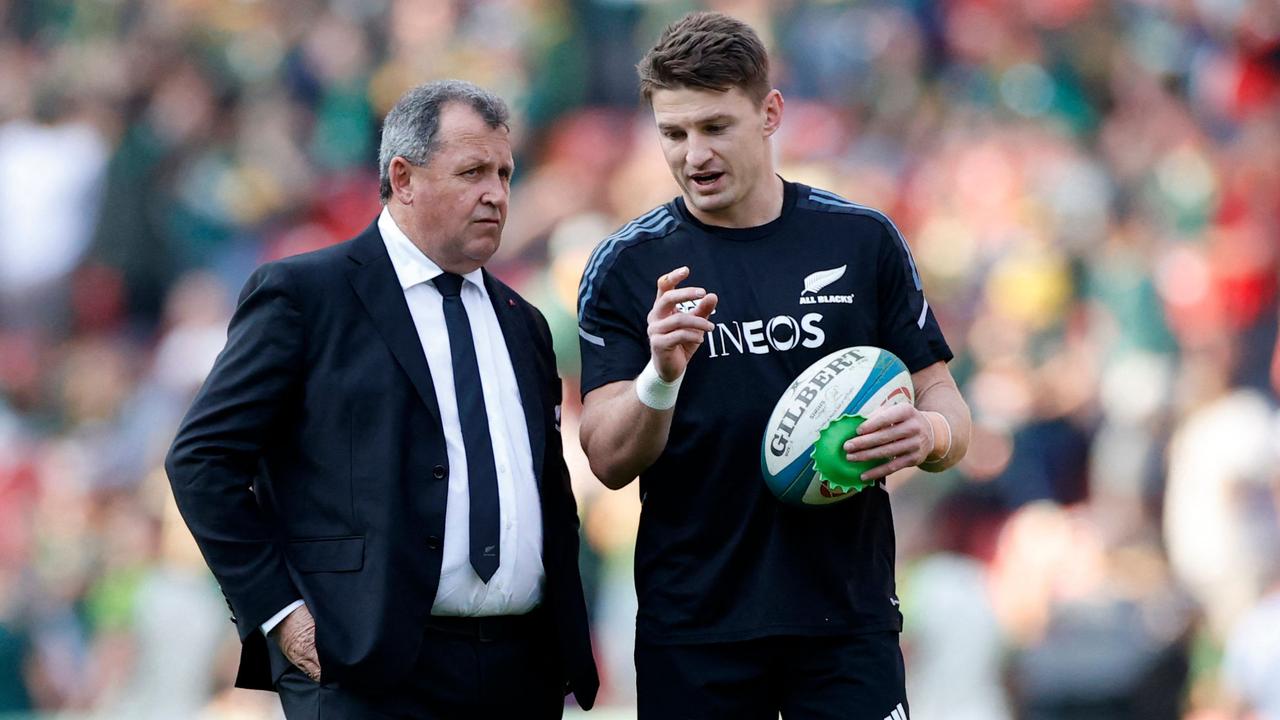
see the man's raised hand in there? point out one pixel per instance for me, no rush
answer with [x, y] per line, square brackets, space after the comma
[674, 336]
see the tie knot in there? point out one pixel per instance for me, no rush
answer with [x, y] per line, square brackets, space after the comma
[449, 284]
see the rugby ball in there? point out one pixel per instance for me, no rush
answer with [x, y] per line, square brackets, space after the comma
[801, 453]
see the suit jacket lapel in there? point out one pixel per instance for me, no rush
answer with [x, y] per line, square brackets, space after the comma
[374, 281]
[524, 360]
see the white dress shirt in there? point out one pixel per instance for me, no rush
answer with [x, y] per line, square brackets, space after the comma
[516, 587]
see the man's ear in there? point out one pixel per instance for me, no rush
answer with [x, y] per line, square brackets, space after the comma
[400, 173]
[772, 112]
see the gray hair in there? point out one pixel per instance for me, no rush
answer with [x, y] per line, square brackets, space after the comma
[410, 129]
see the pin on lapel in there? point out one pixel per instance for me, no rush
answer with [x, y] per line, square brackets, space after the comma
[511, 302]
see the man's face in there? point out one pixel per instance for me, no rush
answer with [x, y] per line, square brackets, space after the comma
[716, 144]
[459, 198]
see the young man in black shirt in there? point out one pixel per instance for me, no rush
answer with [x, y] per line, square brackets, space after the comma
[749, 607]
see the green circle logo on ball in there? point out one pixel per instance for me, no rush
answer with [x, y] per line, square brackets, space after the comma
[829, 456]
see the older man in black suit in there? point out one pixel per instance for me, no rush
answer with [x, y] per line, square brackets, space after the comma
[373, 469]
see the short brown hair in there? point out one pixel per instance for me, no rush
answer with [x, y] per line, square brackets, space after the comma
[710, 51]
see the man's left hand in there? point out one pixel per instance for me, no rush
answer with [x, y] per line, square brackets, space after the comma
[900, 432]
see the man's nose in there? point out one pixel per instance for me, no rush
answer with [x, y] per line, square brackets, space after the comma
[496, 192]
[698, 152]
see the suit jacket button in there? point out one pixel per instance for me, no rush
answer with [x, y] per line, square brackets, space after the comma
[438, 472]
[433, 542]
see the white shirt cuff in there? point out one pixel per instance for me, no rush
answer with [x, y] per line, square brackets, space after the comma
[270, 625]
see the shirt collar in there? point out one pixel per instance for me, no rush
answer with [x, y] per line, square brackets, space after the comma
[412, 266]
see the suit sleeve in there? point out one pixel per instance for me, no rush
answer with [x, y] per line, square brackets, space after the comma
[219, 446]
[555, 445]
[907, 327]
[573, 635]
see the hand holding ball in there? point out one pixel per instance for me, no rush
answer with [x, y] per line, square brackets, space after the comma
[802, 454]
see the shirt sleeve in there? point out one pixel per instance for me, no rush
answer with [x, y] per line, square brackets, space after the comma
[906, 325]
[279, 617]
[612, 330]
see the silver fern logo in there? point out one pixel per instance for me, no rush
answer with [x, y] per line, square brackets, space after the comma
[823, 278]
[820, 280]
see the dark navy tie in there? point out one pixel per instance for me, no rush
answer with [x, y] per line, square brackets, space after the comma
[481, 475]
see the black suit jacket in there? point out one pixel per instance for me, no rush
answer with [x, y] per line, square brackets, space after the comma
[312, 465]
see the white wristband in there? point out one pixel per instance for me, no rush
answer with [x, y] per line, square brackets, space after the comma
[655, 392]
[946, 423]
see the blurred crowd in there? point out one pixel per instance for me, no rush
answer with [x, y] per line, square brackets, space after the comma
[1091, 190]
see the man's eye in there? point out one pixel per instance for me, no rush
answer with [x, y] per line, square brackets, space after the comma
[471, 172]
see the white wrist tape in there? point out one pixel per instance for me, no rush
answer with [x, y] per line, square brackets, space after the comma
[655, 392]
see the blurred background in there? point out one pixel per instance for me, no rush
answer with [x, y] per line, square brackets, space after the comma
[1091, 189]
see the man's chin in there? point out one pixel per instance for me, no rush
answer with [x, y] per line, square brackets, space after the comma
[709, 203]
[480, 249]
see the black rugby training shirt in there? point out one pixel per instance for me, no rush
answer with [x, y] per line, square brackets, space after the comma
[718, 558]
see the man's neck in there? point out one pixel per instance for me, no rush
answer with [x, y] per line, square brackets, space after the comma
[454, 262]
[404, 221]
[762, 206]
